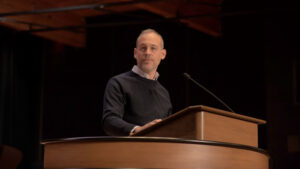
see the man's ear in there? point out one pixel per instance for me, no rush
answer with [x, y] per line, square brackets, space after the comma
[134, 53]
[164, 54]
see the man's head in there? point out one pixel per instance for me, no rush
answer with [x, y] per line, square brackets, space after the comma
[149, 51]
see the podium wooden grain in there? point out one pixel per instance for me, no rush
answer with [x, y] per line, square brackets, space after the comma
[151, 153]
[207, 123]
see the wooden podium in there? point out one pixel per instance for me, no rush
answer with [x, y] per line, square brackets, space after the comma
[198, 137]
[207, 123]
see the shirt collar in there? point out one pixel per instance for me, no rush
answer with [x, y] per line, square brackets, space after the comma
[138, 71]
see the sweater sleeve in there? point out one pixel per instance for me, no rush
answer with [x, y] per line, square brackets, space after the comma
[170, 111]
[113, 110]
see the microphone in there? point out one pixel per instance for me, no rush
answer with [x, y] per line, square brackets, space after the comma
[187, 76]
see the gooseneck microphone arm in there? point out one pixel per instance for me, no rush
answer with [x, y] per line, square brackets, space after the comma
[186, 75]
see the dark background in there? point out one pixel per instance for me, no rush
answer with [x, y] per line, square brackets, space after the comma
[49, 90]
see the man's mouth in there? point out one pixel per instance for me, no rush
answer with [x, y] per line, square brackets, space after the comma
[147, 60]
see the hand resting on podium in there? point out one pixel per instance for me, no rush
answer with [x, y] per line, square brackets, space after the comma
[140, 128]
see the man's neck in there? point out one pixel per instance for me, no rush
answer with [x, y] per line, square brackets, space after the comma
[151, 75]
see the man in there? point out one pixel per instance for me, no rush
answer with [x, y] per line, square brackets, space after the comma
[136, 100]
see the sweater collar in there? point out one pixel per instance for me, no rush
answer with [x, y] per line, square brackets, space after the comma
[138, 71]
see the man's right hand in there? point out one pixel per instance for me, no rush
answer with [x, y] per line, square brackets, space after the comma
[140, 128]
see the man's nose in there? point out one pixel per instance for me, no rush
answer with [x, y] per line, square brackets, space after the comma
[148, 51]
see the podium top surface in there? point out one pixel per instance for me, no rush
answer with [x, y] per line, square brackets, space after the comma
[199, 108]
[149, 139]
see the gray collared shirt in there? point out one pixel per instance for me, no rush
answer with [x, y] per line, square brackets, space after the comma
[138, 71]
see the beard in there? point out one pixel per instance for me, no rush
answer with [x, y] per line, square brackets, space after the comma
[148, 66]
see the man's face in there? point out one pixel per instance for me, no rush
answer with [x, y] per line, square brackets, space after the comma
[149, 52]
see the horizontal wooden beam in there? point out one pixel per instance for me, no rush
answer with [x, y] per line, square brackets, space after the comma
[50, 20]
[46, 19]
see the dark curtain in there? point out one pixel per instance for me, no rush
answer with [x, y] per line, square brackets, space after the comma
[20, 86]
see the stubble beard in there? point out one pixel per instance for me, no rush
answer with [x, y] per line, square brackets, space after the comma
[148, 68]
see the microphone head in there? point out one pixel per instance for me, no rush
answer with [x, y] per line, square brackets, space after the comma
[186, 75]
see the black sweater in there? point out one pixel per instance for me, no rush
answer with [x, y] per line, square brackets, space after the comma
[131, 100]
